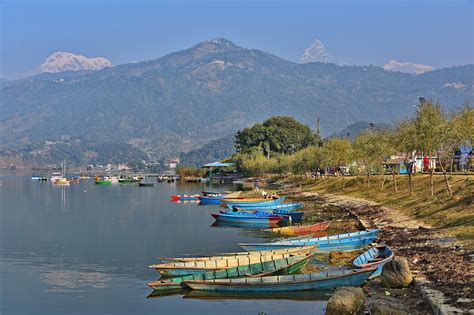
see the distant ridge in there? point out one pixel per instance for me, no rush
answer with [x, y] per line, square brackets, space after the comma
[188, 98]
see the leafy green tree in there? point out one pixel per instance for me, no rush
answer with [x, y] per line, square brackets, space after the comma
[280, 134]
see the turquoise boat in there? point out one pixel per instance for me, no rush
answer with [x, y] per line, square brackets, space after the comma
[300, 282]
[276, 267]
[179, 269]
[339, 242]
[377, 256]
[341, 245]
[270, 202]
[286, 206]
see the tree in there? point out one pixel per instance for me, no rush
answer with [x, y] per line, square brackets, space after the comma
[278, 134]
[429, 123]
[405, 142]
[338, 153]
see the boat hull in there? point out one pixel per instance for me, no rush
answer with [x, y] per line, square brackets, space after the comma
[239, 203]
[239, 219]
[377, 257]
[281, 266]
[323, 246]
[302, 230]
[289, 206]
[301, 282]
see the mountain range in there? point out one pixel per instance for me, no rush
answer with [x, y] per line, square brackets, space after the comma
[188, 98]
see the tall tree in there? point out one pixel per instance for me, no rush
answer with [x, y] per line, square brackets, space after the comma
[338, 154]
[429, 123]
[405, 141]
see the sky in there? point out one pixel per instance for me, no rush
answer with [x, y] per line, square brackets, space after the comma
[437, 33]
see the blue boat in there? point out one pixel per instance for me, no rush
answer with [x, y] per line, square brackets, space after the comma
[298, 282]
[247, 218]
[375, 257]
[211, 200]
[341, 242]
[345, 244]
[270, 202]
[286, 206]
[294, 215]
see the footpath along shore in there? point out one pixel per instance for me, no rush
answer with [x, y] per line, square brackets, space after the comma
[442, 267]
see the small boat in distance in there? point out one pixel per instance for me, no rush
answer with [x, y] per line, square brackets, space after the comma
[146, 184]
[377, 256]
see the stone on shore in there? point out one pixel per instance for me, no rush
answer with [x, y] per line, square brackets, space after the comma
[346, 300]
[396, 273]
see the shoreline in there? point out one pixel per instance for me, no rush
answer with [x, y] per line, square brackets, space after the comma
[441, 265]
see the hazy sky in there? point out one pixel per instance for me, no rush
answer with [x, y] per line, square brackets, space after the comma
[437, 33]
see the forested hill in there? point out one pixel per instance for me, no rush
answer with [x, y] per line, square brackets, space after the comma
[188, 98]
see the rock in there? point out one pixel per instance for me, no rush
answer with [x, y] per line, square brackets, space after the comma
[396, 273]
[346, 300]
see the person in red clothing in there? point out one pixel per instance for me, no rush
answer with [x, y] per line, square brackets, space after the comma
[426, 164]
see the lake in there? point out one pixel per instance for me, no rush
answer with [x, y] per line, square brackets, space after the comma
[85, 249]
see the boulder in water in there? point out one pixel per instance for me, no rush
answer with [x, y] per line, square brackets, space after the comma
[396, 273]
[346, 301]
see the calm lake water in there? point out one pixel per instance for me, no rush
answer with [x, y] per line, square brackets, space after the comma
[85, 249]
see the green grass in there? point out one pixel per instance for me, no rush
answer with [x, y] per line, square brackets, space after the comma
[454, 215]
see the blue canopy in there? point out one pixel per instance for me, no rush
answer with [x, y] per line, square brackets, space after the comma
[218, 164]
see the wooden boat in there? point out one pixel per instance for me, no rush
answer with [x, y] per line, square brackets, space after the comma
[255, 202]
[244, 225]
[236, 255]
[281, 266]
[375, 257]
[227, 194]
[286, 206]
[62, 181]
[299, 282]
[294, 215]
[345, 244]
[243, 217]
[103, 182]
[212, 200]
[302, 229]
[342, 242]
[146, 184]
[179, 269]
[184, 197]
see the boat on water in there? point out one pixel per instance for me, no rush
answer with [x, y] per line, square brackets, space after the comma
[178, 269]
[377, 256]
[301, 229]
[294, 216]
[184, 197]
[340, 242]
[230, 203]
[55, 176]
[247, 218]
[228, 194]
[287, 215]
[102, 181]
[281, 266]
[299, 282]
[236, 255]
[285, 206]
[62, 180]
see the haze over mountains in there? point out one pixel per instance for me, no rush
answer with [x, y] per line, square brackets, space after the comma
[184, 100]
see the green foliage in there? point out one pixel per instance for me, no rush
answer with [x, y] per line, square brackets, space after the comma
[215, 150]
[276, 135]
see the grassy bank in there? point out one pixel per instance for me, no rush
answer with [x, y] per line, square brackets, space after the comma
[453, 215]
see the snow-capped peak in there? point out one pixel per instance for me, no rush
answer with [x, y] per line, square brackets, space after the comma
[66, 61]
[317, 52]
[407, 67]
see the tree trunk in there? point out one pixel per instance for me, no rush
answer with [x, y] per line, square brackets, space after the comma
[431, 177]
[368, 179]
[393, 178]
[410, 184]
[383, 178]
[446, 181]
[343, 182]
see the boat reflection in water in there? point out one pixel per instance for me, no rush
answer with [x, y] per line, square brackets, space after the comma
[252, 226]
[295, 296]
[208, 295]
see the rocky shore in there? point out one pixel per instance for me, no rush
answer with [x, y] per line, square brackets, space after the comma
[441, 266]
